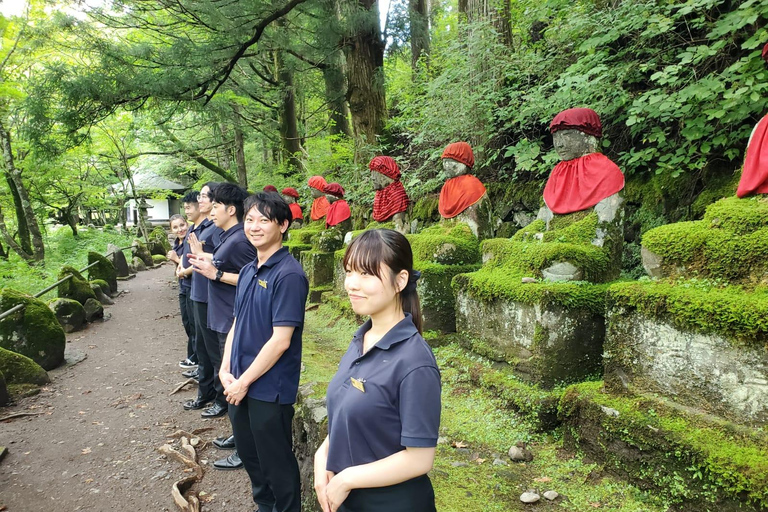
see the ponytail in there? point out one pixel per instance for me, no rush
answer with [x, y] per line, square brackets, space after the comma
[409, 299]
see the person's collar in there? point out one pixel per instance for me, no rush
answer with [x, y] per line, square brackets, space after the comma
[402, 331]
[233, 229]
[281, 253]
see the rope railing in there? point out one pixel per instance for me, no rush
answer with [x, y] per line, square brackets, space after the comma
[57, 283]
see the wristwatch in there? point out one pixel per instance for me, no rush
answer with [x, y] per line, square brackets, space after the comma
[219, 274]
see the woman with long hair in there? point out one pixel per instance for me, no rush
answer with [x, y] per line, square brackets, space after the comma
[384, 401]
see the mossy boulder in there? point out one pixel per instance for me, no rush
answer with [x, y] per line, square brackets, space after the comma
[729, 244]
[93, 310]
[140, 251]
[19, 369]
[158, 237]
[102, 284]
[329, 240]
[138, 265]
[158, 259]
[117, 258]
[76, 287]
[305, 234]
[69, 313]
[103, 270]
[33, 330]
[4, 397]
[102, 297]
[447, 243]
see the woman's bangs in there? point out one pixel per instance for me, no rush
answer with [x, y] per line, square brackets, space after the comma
[365, 254]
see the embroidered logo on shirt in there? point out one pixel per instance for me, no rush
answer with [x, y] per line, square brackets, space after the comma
[263, 283]
[358, 384]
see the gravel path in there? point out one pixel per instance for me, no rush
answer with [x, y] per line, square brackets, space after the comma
[94, 448]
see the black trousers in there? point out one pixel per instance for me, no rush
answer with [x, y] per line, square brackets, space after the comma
[208, 357]
[263, 438]
[188, 321]
[415, 495]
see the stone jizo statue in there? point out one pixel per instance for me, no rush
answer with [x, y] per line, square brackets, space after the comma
[291, 195]
[463, 196]
[339, 213]
[391, 200]
[320, 204]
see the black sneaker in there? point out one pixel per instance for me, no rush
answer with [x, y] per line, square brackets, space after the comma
[190, 374]
[187, 364]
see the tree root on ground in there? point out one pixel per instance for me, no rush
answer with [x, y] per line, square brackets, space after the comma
[186, 500]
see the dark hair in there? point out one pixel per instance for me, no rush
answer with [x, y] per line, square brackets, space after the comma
[230, 194]
[375, 247]
[176, 216]
[190, 197]
[271, 205]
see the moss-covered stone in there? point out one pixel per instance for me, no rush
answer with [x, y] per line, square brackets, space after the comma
[160, 238]
[69, 313]
[4, 396]
[140, 251]
[19, 369]
[103, 270]
[305, 234]
[447, 243]
[436, 295]
[138, 265]
[696, 460]
[103, 285]
[93, 310]
[33, 330]
[328, 240]
[157, 259]
[425, 209]
[318, 266]
[76, 287]
[730, 243]
[296, 248]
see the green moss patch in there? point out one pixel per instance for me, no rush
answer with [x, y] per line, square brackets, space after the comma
[76, 287]
[19, 369]
[160, 237]
[425, 208]
[142, 252]
[32, 331]
[305, 234]
[103, 270]
[699, 306]
[158, 259]
[296, 248]
[448, 243]
[102, 284]
[685, 457]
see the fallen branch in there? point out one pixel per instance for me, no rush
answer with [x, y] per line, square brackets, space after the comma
[190, 503]
[180, 386]
[19, 415]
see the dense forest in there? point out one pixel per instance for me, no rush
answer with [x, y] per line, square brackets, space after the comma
[274, 91]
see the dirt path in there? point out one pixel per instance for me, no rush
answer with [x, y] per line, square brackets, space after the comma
[95, 446]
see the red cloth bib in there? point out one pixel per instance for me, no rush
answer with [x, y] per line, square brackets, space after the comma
[390, 200]
[581, 183]
[338, 212]
[754, 177]
[458, 194]
[319, 208]
[296, 211]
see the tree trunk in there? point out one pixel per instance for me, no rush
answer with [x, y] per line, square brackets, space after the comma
[418, 14]
[289, 127]
[25, 240]
[242, 176]
[496, 11]
[38, 249]
[336, 94]
[365, 68]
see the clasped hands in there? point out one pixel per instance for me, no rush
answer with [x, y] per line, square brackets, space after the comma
[234, 390]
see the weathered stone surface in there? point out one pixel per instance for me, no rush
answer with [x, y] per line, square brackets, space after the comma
[76, 287]
[104, 270]
[562, 271]
[522, 219]
[652, 263]
[479, 218]
[329, 240]
[4, 398]
[310, 426]
[551, 495]
[436, 295]
[19, 369]
[141, 251]
[159, 237]
[93, 310]
[519, 453]
[138, 264]
[318, 266]
[117, 258]
[706, 371]
[529, 497]
[102, 285]
[33, 331]
[69, 313]
[101, 296]
[550, 344]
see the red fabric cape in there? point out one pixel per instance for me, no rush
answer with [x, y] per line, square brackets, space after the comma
[578, 184]
[296, 211]
[319, 208]
[390, 200]
[458, 194]
[338, 212]
[754, 177]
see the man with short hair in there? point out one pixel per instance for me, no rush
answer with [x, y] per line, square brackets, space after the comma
[262, 357]
[203, 239]
[221, 268]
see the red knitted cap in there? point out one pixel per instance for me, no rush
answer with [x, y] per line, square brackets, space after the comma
[270, 188]
[385, 165]
[461, 152]
[317, 182]
[583, 119]
[290, 191]
[334, 189]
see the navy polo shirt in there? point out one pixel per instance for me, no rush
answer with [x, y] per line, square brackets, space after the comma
[182, 249]
[271, 295]
[398, 406]
[208, 234]
[233, 253]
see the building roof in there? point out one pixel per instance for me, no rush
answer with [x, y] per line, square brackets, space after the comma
[145, 180]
